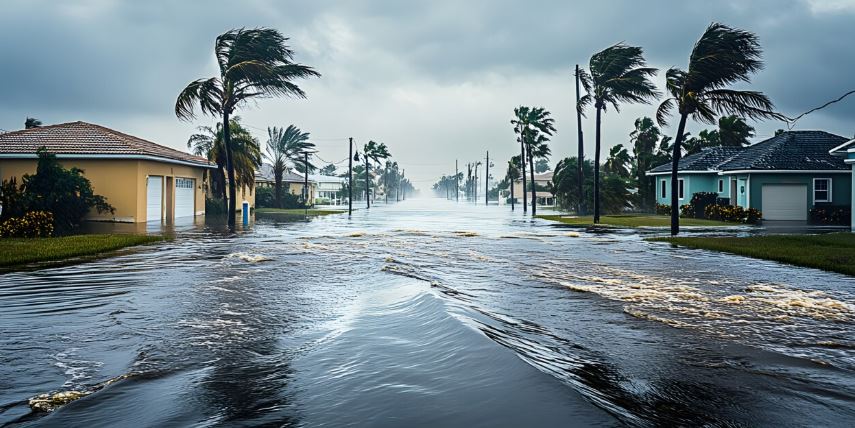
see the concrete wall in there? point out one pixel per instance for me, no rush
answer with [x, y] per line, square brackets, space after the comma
[122, 182]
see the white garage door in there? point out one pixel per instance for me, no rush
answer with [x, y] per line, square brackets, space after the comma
[785, 202]
[185, 197]
[154, 198]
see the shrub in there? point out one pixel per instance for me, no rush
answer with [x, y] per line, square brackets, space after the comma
[687, 211]
[663, 209]
[33, 224]
[65, 193]
[833, 215]
[733, 214]
[700, 201]
[264, 197]
[215, 207]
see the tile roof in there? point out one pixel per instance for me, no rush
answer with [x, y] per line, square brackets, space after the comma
[792, 150]
[708, 159]
[86, 139]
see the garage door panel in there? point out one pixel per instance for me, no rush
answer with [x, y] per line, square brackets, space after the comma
[185, 197]
[785, 202]
[154, 198]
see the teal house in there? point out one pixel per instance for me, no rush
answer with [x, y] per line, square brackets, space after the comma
[846, 151]
[784, 176]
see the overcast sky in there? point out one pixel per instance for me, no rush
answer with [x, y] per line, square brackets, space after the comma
[435, 80]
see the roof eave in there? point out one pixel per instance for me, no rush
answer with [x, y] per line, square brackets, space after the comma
[110, 156]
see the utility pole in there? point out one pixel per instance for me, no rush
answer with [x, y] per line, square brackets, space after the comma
[386, 183]
[581, 158]
[367, 181]
[487, 181]
[456, 182]
[350, 179]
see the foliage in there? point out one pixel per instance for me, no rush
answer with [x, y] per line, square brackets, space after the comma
[20, 251]
[253, 63]
[733, 214]
[687, 211]
[619, 161]
[246, 153]
[65, 193]
[831, 215]
[649, 149]
[329, 169]
[33, 224]
[285, 147]
[732, 131]
[541, 165]
[615, 193]
[663, 209]
[626, 220]
[32, 122]
[700, 201]
[535, 125]
[264, 198]
[722, 57]
[215, 207]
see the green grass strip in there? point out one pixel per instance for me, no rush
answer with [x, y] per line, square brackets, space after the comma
[21, 251]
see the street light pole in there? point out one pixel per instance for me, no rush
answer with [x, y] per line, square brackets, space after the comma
[350, 179]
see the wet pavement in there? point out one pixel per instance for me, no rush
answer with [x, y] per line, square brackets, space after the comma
[427, 313]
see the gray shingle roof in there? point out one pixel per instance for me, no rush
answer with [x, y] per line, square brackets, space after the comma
[792, 150]
[708, 159]
[85, 139]
[265, 173]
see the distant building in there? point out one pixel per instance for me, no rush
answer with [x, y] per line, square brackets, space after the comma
[543, 181]
[292, 183]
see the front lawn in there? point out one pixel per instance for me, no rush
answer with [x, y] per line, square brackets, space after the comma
[21, 251]
[832, 252]
[297, 211]
[632, 221]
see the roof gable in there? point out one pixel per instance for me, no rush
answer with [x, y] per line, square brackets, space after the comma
[708, 159]
[82, 139]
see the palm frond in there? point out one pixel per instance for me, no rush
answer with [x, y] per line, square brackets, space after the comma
[664, 111]
[207, 92]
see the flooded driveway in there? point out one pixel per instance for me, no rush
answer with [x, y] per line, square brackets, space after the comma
[428, 313]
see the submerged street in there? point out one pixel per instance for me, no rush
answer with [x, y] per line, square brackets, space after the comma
[427, 313]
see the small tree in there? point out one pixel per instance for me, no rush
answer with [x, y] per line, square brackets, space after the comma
[66, 193]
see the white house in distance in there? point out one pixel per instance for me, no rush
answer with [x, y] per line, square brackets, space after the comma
[544, 198]
[329, 189]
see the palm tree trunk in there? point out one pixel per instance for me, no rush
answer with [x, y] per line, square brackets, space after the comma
[579, 205]
[367, 184]
[278, 188]
[522, 163]
[597, 170]
[675, 160]
[533, 186]
[230, 168]
[386, 184]
[221, 186]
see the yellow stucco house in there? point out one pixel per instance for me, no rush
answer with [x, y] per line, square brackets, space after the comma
[143, 181]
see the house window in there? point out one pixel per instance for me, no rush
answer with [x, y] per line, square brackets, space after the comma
[663, 190]
[720, 185]
[680, 188]
[822, 190]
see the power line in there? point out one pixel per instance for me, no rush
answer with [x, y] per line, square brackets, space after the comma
[791, 122]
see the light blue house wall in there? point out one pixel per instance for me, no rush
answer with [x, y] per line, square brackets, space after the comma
[692, 183]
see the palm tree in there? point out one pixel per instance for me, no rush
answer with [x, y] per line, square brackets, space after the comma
[513, 174]
[615, 75]
[252, 63]
[372, 151]
[246, 153]
[721, 57]
[618, 161]
[284, 147]
[520, 124]
[32, 122]
[733, 131]
[644, 138]
[534, 125]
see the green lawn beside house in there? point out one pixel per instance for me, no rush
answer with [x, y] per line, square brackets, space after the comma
[21, 251]
[833, 252]
[632, 221]
[297, 211]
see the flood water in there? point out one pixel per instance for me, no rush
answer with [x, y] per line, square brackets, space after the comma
[428, 313]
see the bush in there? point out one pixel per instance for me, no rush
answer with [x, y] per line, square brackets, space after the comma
[700, 201]
[832, 215]
[215, 207]
[687, 211]
[733, 214]
[65, 193]
[34, 224]
[264, 197]
[663, 209]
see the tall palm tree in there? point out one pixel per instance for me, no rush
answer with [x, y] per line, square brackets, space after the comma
[721, 57]
[512, 175]
[252, 63]
[537, 149]
[618, 161]
[285, 147]
[520, 124]
[615, 75]
[372, 151]
[246, 153]
[32, 122]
